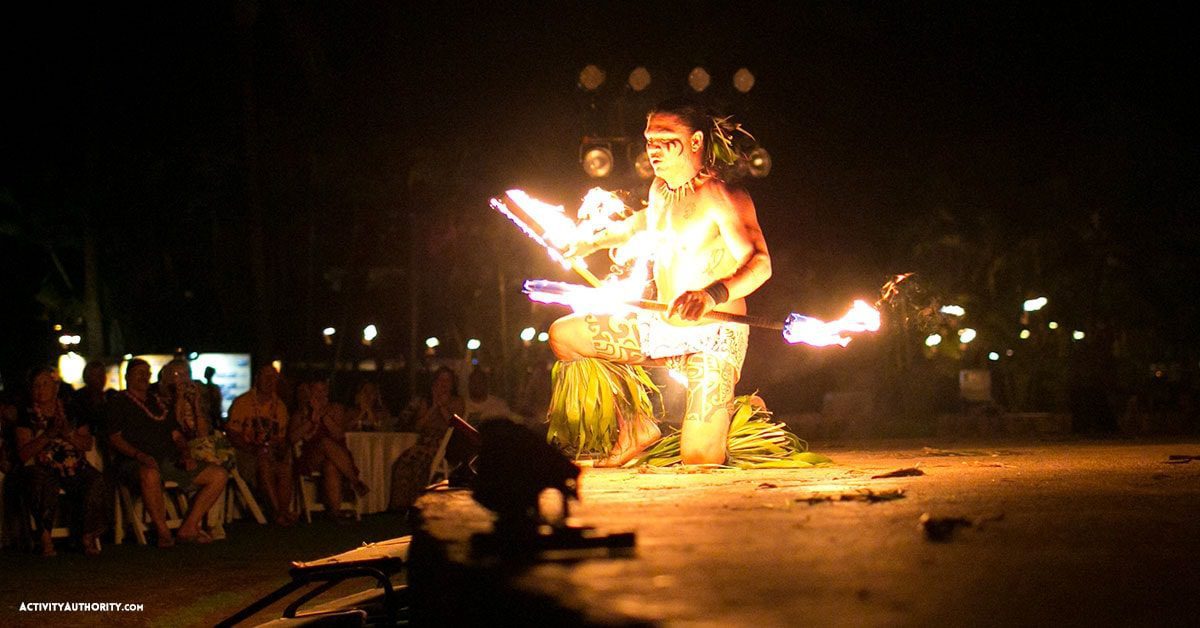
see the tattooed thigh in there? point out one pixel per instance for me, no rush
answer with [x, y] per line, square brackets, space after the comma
[615, 338]
[710, 387]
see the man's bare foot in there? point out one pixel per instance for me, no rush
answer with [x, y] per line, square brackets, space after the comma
[629, 445]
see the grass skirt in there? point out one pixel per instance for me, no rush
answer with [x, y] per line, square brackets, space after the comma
[590, 398]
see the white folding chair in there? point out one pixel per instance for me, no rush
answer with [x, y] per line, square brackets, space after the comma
[131, 511]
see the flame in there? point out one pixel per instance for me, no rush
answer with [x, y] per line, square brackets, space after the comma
[547, 224]
[611, 297]
[818, 333]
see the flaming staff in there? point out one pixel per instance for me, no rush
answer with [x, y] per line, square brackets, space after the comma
[796, 328]
[549, 226]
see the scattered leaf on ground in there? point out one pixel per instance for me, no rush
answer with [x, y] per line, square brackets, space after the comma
[899, 473]
[863, 495]
[940, 529]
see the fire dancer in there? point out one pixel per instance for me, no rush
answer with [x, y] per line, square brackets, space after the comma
[709, 254]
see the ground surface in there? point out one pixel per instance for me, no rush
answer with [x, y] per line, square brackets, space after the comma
[187, 585]
[1070, 533]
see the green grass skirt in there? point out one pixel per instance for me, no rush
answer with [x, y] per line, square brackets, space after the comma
[590, 398]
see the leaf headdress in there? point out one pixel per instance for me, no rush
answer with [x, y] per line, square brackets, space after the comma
[721, 141]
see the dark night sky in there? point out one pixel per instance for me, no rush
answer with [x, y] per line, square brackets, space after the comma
[883, 120]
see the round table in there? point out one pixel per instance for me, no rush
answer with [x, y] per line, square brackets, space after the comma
[374, 453]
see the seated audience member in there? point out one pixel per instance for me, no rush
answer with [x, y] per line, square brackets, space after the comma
[481, 405]
[443, 391]
[319, 429]
[369, 413]
[258, 429]
[441, 411]
[152, 450]
[51, 446]
[184, 400]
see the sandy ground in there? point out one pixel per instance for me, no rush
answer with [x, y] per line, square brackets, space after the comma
[1071, 533]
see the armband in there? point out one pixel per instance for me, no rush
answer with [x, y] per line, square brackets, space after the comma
[718, 291]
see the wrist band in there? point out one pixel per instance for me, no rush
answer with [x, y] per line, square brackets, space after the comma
[718, 291]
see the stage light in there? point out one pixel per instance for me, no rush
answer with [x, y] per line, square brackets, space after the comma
[68, 340]
[591, 78]
[597, 159]
[1025, 334]
[370, 332]
[58, 328]
[1033, 305]
[966, 335]
[432, 342]
[759, 162]
[127, 357]
[1052, 325]
[543, 337]
[528, 333]
[1077, 335]
[639, 79]
[699, 79]
[641, 164]
[329, 331]
[933, 340]
[743, 80]
[278, 364]
[193, 355]
[473, 344]
[993, 356]
[953, 310]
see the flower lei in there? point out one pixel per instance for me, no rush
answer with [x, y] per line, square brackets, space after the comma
[138, 403]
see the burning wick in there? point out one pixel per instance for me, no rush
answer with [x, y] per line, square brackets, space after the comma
[818, 333]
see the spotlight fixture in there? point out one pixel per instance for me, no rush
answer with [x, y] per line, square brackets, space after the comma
[699, 79]
[591, 78]
[543, 337]
[528, 333]
[596, 158]
[432, 342]
[639, 79]
[743, 80]
[473, 344]
[370, 332]
[641, 161]
[759, 162]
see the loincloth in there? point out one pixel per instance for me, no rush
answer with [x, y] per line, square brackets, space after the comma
[660, 339]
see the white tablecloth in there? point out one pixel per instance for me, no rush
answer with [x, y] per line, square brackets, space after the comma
[374, 453]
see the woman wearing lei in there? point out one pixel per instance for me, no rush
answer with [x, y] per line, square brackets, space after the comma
[51, 447]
